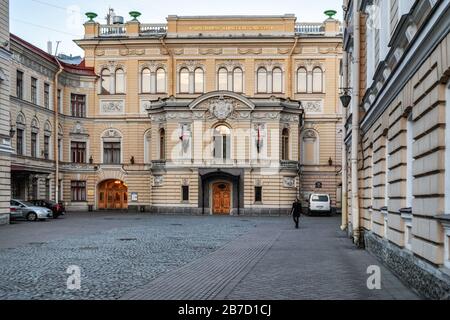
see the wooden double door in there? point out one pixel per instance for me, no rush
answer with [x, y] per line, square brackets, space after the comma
[221, 198]
[112, 194]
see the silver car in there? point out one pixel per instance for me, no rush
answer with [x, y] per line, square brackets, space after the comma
[26, 210]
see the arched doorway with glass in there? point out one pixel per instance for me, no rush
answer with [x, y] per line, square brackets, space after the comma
[112, 195]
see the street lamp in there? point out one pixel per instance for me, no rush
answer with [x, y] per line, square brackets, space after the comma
[345, 97]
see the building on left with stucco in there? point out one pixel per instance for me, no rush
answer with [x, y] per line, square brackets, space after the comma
[5, 140]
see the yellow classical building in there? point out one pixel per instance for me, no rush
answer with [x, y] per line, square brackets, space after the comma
[205, 115]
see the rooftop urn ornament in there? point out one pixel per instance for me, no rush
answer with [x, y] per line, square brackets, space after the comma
[135, 15]
[330, 13]
[91, 16]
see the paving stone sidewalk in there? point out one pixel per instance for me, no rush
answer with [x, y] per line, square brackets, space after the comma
[276, 261]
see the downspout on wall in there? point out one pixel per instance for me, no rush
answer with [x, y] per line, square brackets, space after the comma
[355, 126]
[55, 130]
[172, 87]
[344, 192]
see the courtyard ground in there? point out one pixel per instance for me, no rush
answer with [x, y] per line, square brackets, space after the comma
[141, 256]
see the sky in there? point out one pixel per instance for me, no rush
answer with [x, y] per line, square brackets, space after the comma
[40, 21]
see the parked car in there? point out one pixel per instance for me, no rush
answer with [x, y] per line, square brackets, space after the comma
[27, 210]
[57, 208]
[319, 203]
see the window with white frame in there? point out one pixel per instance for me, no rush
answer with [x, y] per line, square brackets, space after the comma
[199, 80]
[119, 81]
[238, 80]
[262, 80]
[317, 81]
[277, 80]
[222, 142]
[222, 79]
[161, 80]
[105, 78]
[302, 80]
[146, 80]
[184, 80]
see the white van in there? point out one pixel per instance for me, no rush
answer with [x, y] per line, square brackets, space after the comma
[320, 203]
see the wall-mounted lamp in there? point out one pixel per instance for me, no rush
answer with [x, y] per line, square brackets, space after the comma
[330, 162]
[345, 97]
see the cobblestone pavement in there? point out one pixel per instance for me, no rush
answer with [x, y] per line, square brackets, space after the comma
[116, 252]
[139, 256]
[275, 262]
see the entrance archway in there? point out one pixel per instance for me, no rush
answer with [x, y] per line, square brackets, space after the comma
[112, 194]
[221, 198]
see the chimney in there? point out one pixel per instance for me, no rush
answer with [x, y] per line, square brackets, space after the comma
[49, 47]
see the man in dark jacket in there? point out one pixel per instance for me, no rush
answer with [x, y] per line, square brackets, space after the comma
[296, 211]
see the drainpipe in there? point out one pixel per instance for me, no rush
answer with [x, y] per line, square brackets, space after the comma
[56, 131]
[344, 204]
[355, 126]
[173, 77]
[289, 92]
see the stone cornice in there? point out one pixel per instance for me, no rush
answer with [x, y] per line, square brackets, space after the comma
[433, 30]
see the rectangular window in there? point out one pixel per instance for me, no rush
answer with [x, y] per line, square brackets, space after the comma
[78, 150]
[33, 145]
[185, 191]
[111, 152]
[19, 84]
[78, 190]
[46, 95]
[78, 105]
[60, 101]
[19, 142]
[34, 90]
[258, 194]
[46, 147]
[60, 150]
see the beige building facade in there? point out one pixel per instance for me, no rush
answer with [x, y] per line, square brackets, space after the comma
[204, 115]
[396, 147]
[5, 141]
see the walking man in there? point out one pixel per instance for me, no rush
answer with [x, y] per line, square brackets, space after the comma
[296, 211]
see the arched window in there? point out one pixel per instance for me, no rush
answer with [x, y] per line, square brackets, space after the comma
[262, 80]
[285, 144]
[47, 140]
[310, 148]
[106, 81]
[120, 81]
[198, 80]
[184, 80]
[238, 80]
[146, 81]
[302, 80]
[20, 134]
[160, 80]
[277, 80]
[162, 144]
[34, 138]
[222, 79]
[317, 84]
[112, 147]
[222, 142]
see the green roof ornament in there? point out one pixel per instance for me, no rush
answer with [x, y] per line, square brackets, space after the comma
[330, 13]
[135, 15]
[91, 16]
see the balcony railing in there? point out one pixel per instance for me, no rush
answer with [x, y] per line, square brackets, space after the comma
[113, 30]
[154, 28]
[309, 28]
